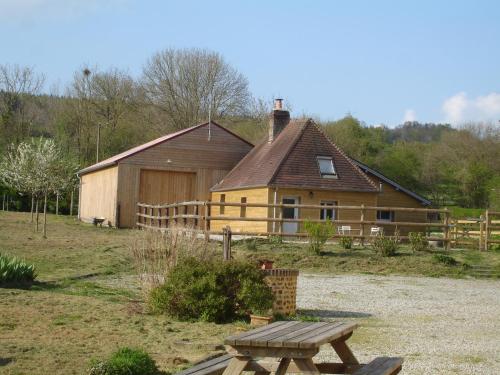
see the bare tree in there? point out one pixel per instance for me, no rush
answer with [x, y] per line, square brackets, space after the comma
[18, 85]
[188, 84]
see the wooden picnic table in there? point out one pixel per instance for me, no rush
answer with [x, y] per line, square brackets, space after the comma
[292, 340]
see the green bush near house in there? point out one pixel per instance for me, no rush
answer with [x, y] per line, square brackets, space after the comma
[15, 271]
[386, 246]
[212, 291]
[318, 233]
[125, 361]
[418, 242]
[346, 242]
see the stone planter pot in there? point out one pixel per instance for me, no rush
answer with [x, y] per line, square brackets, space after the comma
[259, 320]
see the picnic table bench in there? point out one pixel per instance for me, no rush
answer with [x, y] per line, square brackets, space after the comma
[288, 347]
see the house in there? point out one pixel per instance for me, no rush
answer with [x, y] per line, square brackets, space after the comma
[296, 164]
[181, 166]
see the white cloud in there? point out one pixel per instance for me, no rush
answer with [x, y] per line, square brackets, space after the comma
[410, 116]
[460, 108]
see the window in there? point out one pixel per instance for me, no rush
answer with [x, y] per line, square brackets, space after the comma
[326, 168]
[328, 213]
[385, 215]
[243, 209]
[222, 200]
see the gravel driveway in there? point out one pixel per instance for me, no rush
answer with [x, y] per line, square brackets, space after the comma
[440, 326]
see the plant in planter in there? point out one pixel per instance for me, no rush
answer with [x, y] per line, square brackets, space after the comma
[261, 317]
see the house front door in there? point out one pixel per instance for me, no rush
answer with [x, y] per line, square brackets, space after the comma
[290, 213]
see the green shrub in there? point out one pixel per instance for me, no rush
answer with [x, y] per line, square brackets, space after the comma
[125, 361]
[418, 242]
[318, 233]
[212, 291]
[346, 242]
[445, 259]
[251, 244]
[386, 245]
[15, 271]
[275, 240]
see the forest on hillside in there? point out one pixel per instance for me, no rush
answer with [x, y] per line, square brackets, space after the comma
[103, 112]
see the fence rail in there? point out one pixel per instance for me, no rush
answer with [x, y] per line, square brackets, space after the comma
[200, 215]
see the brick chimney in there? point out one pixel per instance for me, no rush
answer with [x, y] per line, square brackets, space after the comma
[278, 120]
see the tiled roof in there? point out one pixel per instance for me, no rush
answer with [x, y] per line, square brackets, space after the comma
[115, 159]
[291, 161]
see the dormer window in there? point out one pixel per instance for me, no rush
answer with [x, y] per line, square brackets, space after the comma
[326, 167]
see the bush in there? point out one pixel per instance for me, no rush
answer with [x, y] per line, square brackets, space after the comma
[125, 361]
[15, 271]
[346, 242]
[212, 291]
[251, 244]
[318, 233]
[418, 242]
[275, 240]
[386, 245]
[445, 259]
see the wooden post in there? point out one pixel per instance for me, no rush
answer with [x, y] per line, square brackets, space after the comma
[487, 230]
[185, 213]
[206, 223]
[159, 217]
[447, 229]
[71, 202]
[7, 203]
[280, 228]
[481, 233]
[226, 233]
[57, 204]
[362, 229]
[151, 216]
[196, 213]
[167, 214]
[176, 213]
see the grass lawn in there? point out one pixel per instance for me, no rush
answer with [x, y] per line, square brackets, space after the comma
[87, 303]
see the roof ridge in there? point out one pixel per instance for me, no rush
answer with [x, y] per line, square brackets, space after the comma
[356, 167]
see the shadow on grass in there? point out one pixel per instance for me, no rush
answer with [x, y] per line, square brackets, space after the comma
[5, 361]
[333, 314]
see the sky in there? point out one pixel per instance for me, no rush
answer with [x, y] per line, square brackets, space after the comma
[384, 62]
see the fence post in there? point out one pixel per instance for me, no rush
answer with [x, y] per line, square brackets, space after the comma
[167, 215]
[281, 220]
[362, 229]
[159, 217]
[226, 233]
[487, 230]
[196, 213]
[176, 213]
[481, 233]
[447, 229]
[185, 213]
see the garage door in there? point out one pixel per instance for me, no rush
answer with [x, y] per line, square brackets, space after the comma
[160, 187]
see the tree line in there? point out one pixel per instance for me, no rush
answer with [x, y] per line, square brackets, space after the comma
[103, 112]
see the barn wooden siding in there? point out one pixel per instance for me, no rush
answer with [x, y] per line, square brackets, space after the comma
[191, 154]
[98, 193]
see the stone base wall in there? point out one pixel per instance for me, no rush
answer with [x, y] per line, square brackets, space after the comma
[283, 283]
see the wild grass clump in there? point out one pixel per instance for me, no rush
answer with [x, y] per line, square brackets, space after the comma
[445, 259]
[125, 361]
[15, 271]
[318, 234]
[156, 253]
[212, 291]
[251, 244]
[418, 242]
[386, 246]
[346, 242]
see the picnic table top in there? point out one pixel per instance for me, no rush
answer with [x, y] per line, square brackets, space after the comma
[292, 334]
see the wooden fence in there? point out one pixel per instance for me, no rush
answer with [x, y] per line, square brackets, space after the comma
[478, 232]
[200, 215]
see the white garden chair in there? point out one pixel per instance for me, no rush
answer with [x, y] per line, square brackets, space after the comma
[374, 231]
[344, 229]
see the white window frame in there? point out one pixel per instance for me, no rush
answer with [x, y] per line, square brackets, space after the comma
[329, 205]
[326, 175]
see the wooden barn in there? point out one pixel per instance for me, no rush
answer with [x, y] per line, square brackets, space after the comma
[182, 166]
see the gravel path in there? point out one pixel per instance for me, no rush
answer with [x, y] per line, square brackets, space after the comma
[440, 326]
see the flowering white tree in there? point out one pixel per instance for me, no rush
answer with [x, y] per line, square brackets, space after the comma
[38, 168]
